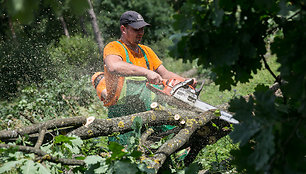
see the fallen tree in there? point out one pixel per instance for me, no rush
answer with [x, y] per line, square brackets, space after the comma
[193, 129]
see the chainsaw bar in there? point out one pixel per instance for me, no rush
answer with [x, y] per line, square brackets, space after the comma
[224, 115]
[184, 96]
[188, 96]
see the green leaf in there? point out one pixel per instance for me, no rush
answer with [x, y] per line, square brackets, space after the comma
[72, 149]
[248, 126]
[191, 169]
[42, 169]
[77, 141]
[244, 131]
[214, 125]
[95, 164]
[217, 15]
[144, 168]
[125, 167]
[46, 148]
[29, 167]
[75, 145]
[63, 139]
[101, 169]
[217, 113]
[93, 159]
[137, 125]
[11, 164]
[117, 150]
[156, 145]
[136, 154]
[261, 88]
[22, 10]
[78, 7]
[242, 109]
[264, 149]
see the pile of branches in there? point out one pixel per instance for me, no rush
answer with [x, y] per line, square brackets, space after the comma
[194, 130]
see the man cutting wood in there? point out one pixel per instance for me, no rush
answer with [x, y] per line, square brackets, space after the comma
[128, 65]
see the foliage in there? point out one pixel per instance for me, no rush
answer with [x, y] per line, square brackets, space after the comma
[231, 38]
[117, 159]
[216, 157]
[53, 99]
[15, 161]
[61, 147]
[75, 52]
[25, 10]
[160, 48]
[40, 19]
[158, 13]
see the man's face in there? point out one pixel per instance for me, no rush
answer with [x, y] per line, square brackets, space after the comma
[133, 35]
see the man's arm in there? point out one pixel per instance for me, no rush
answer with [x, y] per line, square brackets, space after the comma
[165, 74]
[115, 65]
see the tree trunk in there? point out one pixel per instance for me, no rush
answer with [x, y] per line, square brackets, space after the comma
[83, 26]
[95, 28]
[12, 28]
[61, 18]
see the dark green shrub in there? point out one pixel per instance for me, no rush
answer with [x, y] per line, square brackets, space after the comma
[77, 54]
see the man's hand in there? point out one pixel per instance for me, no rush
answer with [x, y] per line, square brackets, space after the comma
[154, 78]
[195, 82]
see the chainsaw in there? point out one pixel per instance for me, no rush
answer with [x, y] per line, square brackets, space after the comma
[184, 92]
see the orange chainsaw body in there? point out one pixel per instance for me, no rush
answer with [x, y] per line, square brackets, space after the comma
[167, 86]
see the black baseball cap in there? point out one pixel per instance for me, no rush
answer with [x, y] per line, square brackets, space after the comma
[133, 19]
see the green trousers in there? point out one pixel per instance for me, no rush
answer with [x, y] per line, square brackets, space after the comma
[135, 97]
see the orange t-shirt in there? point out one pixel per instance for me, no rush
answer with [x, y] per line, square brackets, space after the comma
[114, 83]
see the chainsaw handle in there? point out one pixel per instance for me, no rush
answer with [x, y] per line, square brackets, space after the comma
[154, 89]
[165, 82]
[166, 88]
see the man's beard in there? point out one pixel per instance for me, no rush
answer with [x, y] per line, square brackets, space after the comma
[138, 40]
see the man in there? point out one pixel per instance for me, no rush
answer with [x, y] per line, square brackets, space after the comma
[127, 66]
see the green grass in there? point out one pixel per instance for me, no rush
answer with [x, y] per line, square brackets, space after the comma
[177, 66]
[213, 96]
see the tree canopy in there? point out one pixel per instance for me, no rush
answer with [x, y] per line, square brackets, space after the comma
[233, 38]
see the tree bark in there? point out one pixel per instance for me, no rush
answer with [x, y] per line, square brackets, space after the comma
[35, 128]
[12, 28]
[61, 18]
[83, 26]
[95, 28]
[44, 155]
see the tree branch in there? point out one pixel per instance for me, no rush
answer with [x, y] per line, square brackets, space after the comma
[277, 79]
[40, 137]
[44, 155]
[188, 121]
[51, 124]
[171, 146]
[31, 119]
